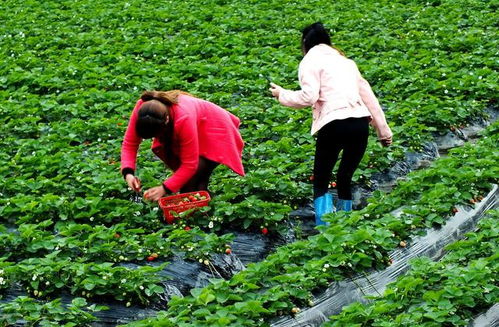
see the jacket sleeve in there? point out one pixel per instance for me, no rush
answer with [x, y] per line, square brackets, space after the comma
[131, 142]
[188, 143]
[310, 83]
[378, 117]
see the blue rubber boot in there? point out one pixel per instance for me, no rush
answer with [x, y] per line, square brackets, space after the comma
[344, 205]
[322, 205]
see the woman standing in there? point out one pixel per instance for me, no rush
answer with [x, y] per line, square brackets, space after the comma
[192, 136]
[343, 104]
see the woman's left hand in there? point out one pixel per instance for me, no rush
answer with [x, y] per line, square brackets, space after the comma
[154, 193]
[275, 89]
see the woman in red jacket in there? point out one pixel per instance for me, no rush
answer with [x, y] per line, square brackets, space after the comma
[192, 136]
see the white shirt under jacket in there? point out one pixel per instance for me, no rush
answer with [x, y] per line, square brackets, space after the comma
[334, 87]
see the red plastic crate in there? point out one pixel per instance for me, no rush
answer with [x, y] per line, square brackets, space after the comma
[170, 204]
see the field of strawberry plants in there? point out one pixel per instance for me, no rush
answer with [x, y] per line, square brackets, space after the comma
[70, 75]
[445, 293]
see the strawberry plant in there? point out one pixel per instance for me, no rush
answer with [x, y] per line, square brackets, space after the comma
[47, 276]
[36, 313]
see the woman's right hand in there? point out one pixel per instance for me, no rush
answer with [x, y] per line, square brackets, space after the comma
[133, 182]
[275, 90]
[386, 142]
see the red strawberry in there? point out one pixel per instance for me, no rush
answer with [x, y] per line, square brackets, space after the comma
[228, 251]
[265, 230]
[333, 184]
[187, 228]
[192, 198]
[116, 235]
[311, 177]
[150, 258]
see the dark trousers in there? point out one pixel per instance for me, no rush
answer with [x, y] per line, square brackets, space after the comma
[200, 180]
[349, 135]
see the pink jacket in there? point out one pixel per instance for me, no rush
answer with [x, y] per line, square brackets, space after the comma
[200, 128]
[333, 86]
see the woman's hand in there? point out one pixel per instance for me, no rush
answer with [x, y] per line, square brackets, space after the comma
[154, 193]
[385, 135]
[386, 141]
[133, 182]
[275, 89]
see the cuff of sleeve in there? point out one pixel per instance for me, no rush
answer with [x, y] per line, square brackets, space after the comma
[282, 97]
[167, 190]
[127, 171]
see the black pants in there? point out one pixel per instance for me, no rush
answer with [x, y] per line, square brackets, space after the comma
[349, 135]
[200, 180]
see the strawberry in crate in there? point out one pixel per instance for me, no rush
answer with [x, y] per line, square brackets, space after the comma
[173, 205]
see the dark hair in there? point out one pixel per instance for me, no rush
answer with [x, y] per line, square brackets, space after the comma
[152, 114]
[313, 35]
[151, 119]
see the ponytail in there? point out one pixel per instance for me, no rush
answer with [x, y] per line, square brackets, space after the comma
[168, 98]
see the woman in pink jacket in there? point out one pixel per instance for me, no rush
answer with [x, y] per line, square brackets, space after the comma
[343, 104]
[192, 136]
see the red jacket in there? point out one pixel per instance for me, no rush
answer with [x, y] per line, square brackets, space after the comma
[200, 128]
